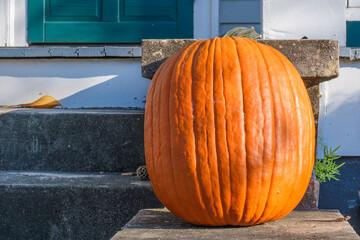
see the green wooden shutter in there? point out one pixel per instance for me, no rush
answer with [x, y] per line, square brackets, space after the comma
[353, 33]
[108, 21]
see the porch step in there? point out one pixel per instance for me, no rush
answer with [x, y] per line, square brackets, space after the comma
[53, 205]
[81, 140]
[163, 225]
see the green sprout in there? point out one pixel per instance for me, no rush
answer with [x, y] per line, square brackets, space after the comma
[327, 169]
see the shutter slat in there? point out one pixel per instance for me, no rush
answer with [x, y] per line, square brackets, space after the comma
[108, 21]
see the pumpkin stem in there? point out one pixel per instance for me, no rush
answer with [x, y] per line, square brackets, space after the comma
[243, 32]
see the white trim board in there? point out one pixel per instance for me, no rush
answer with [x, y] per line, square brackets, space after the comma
[206, 19]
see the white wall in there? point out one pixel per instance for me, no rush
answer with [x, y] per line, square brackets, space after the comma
[75, 83]
[293, 19]
[339, 122]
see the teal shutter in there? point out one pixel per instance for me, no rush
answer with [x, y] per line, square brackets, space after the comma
[353, 34]
[108, 21]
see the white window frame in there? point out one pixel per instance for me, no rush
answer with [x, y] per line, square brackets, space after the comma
[13, 23]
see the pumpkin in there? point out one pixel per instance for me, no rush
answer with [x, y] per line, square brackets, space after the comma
[229, 133]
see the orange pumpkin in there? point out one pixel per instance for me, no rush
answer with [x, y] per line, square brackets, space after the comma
[229, 133]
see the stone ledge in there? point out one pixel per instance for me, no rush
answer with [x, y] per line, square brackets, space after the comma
[131, 51]
[316, 60]
[161, 224]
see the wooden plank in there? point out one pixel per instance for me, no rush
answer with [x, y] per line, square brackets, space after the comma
[162, 224]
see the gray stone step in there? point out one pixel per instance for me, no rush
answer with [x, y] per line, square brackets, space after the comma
[82, 140]
[38, 205]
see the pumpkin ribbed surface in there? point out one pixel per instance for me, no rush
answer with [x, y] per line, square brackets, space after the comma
[229, 133]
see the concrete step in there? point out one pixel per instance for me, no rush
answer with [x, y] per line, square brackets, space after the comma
[39, 205]
[81, 140]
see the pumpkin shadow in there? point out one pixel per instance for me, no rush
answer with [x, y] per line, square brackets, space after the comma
[164, 219]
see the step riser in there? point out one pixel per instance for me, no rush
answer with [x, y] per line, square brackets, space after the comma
[31, 211]
[61, 140]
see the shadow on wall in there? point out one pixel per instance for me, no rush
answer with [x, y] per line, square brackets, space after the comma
[77, 84]
[111, 93]
[340, 113]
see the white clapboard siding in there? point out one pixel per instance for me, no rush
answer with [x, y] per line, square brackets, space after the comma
[353, 3]
[235, 13]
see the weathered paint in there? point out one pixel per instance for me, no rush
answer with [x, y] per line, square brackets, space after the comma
[340, 110]
[294, 19]
[75, 83]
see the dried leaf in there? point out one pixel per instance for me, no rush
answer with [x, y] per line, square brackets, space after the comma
[43, 102]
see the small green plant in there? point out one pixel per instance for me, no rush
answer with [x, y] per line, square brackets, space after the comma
[326, 169]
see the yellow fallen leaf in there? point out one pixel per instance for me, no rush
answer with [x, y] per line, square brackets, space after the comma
[43, 102]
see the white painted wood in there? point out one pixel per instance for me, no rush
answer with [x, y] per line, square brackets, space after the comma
[293, 19]
[4, 22]
[18, 23]
[339, 122]
[353, 14]
[75, 83]
[206, 19]
[321, 131]
[214, 18]
[13, 22]
[353, 3]
[240, 11]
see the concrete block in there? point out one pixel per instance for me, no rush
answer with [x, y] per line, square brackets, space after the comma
[156, 51]
[316, 60]
[69, 205]
[161, 224]
[71, 140]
